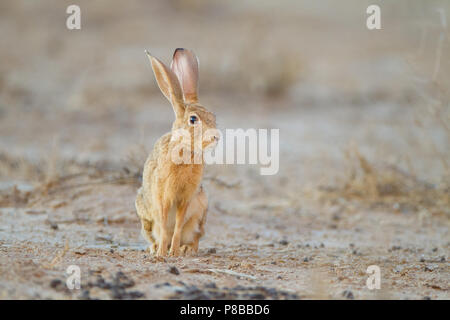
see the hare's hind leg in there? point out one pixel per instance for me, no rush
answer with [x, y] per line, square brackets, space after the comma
[146, 231]
[196, 223]
[146, 224]
[179, 223]
[193, 247]
[203, 206]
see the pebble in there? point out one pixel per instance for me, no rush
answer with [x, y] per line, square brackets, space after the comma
[211, 285]
[174, 270]
[398, 269]
[430, 268]
[85, 295]
[348, 294]
[55, 283]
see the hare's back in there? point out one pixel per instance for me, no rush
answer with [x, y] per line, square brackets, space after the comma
[161, 147]
[158, 154]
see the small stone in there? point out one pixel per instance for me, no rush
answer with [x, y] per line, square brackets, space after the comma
[306, 259]
[398, 269]
[174, 270]
[211, 285]
[211, 250]
[257, 296]
[135, 294]
[348, 294]
[430, 268]
[284, 242]
[160, 285]
[55, 283]
[85, 295]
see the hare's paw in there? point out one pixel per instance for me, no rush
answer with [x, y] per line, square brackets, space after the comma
[161, 252]
[187, 250]
[174, 252]
[153, 248]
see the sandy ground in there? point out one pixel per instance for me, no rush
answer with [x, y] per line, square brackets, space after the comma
[362, 177]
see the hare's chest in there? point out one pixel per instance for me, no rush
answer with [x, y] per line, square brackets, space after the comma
[187, 186]
[182, 183]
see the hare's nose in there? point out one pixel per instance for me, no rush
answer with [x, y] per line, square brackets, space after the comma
[216, 138]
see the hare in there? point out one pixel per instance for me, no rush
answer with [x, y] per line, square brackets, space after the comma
[171, 202]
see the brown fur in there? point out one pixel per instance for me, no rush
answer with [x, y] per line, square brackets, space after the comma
[171, 203]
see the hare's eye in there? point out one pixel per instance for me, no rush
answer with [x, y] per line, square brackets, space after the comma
[193, 119]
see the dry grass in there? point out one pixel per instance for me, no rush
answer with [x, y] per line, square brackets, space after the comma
[387, 186]
[47, 177]
[374, 183]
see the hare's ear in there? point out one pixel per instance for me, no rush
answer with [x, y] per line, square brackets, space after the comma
[185, 66]
[168, 83]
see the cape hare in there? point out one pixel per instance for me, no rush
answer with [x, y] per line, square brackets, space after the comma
[171, 203]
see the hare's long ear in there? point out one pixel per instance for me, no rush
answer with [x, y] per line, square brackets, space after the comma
[169, 85]
[185, 66]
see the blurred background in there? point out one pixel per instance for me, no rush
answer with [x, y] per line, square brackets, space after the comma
[300, 66]
[363, 118]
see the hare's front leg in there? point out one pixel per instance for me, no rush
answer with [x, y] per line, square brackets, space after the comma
[163, 231]
[179, 223]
